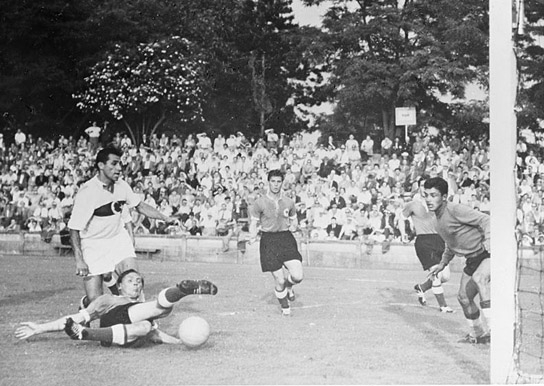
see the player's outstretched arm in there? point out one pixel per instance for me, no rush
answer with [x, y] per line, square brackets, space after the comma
[149, 211]
[28, 329]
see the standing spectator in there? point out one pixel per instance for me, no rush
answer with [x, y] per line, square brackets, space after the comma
[93, 132]
[386, 146]
[367, 147]
[20, 139]
[271, 139]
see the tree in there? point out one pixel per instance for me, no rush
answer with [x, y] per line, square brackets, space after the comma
[382, 55]
[143, 86]
[530, 54]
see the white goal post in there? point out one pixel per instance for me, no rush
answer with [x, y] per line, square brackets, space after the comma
[502, 93]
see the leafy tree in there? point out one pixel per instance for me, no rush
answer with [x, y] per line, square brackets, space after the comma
[382, 55]
[530, 54]
[146, 85]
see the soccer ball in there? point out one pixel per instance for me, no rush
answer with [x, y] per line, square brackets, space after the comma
[194, 331]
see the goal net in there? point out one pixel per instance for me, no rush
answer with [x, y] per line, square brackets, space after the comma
[517, 346]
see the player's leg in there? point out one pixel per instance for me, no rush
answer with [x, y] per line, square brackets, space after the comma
[280, 291]
[293, 275]
[168, 297]
[467, 292]
[93, 288]
[438, 290]
[482, 279]
[119, 334]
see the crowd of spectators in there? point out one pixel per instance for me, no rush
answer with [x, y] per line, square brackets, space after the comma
[530, 174]
[343, 189]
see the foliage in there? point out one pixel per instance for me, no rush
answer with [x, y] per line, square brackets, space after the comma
[134, 84]
[384, 56]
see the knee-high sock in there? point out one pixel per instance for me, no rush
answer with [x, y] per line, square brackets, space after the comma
[282, 298]
[170, 296]
[486, 310]
[475, 323]
[116, 334]
[426, 285]
[438, 292]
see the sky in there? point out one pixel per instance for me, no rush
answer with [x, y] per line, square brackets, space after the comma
[308, 15]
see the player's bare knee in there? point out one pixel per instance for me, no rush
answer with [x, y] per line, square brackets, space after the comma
[463, 300]
[297, 277]
[480, 279]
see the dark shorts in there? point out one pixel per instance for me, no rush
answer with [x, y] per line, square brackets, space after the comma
[119, 315]
[429, 249]
[472, 263]
[276, 248]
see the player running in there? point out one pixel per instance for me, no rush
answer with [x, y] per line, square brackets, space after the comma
[124, 321]
[429, 249]
[278, 248]
[466, 232]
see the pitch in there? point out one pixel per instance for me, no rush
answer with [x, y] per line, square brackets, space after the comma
[349, 326]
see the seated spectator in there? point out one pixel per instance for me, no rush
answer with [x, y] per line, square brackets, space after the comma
[192, 225]
[334, 229]
[349, 230]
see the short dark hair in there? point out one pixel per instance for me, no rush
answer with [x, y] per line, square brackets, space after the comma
[275, 173]
[438, 183]
[125, 273]
[104, 154]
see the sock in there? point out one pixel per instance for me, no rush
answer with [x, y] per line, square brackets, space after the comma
[282, 298]
[425, 286]
[289, 283]
[475, 323]
[170, 296]
[486, 309]
[103, 334]
[438, 292]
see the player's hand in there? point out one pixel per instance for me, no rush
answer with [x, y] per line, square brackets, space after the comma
[436, 269]
[82, 269]
[252, 240]
[26, 330]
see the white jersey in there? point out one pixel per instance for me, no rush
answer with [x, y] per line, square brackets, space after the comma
[97, 211]
[98, 216]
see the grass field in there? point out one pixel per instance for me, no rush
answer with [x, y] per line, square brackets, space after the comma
[348, 326]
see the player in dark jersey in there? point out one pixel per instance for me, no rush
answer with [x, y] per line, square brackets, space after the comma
[466, 232]
[124, 321]
[278, 248]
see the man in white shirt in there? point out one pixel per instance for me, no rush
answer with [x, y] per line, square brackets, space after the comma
[103, 248]
[93, 132]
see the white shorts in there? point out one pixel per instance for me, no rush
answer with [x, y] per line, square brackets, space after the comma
[102, 255]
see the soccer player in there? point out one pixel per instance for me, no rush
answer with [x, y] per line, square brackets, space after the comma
[466, 232]
[429, 249]
[102, 245]
[124, 321]
[278, 248]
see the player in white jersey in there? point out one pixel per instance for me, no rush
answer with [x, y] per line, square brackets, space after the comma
[429, 248]
[278, 248]
[103, 248]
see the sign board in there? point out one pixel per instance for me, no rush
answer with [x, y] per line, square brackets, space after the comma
[405, 116]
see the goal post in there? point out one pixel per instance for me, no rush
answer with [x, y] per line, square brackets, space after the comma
[502, 95]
